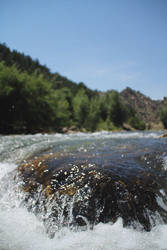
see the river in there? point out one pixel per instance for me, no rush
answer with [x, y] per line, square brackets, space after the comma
[21, 229]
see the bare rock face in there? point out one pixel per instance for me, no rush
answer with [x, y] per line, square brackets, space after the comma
[146, 108]
[67, 191]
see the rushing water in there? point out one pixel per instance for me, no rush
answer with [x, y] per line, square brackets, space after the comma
[20, 229]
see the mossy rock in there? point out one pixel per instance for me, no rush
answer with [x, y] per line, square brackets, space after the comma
[78, 191]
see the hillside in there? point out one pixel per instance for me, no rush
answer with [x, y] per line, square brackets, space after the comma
[146, 108]
[24, 63]
[53, 103]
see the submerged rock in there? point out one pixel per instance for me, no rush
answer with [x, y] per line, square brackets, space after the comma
[66, 190]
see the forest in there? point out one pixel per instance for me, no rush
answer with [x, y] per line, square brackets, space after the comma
[33, 100]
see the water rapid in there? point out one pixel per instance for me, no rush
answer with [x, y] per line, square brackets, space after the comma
[22, 229]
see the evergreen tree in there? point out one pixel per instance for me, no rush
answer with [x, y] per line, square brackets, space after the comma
[93, 116]
[117, 112]
[80, 108]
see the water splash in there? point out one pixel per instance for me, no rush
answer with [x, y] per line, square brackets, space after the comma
[21, 229]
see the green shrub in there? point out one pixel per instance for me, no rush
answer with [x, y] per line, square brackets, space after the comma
[137, 123]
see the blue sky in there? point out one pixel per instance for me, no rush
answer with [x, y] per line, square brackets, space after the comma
[107, 44]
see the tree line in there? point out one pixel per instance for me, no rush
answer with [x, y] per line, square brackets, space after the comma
[32, 99]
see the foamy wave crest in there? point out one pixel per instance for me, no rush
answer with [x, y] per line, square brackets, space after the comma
[6, 168]
[20, 230]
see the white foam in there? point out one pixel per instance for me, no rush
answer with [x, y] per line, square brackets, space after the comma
[20, 230]
[6, 168]
[165, 162]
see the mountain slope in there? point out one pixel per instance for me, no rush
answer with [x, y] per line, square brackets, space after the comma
[61, 103]
[146, 108]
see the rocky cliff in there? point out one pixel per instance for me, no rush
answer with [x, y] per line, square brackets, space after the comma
[146, 108]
